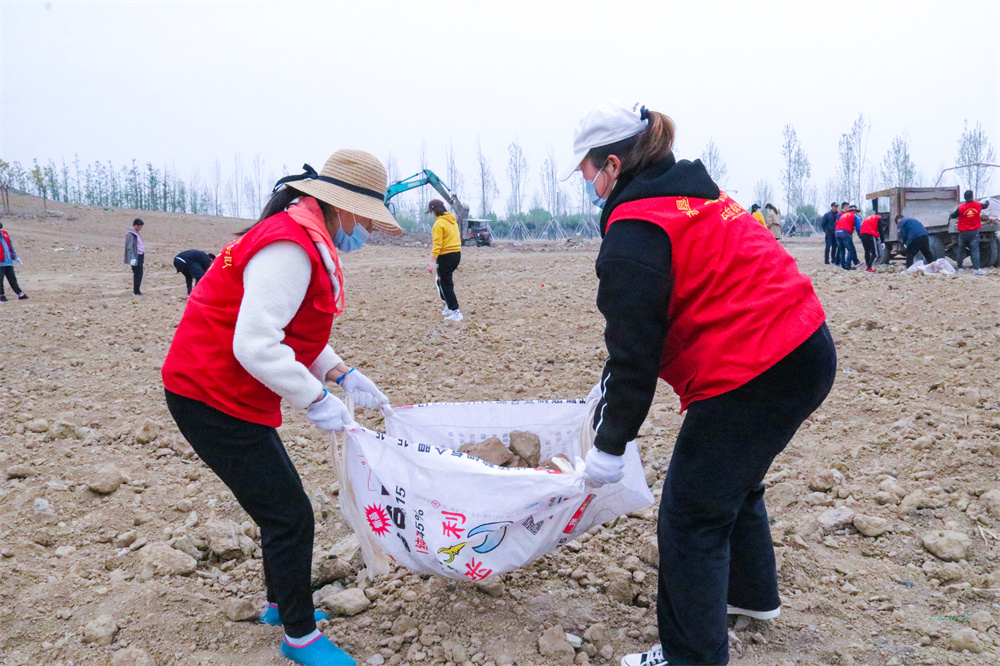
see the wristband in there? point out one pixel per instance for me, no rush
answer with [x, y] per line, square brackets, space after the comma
[340, 380]
[320, 399]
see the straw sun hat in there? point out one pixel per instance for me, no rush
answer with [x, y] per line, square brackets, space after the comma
[352, 180]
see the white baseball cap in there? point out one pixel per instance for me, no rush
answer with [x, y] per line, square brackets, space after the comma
[606, 123]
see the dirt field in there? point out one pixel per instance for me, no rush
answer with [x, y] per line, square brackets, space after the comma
[905, 448]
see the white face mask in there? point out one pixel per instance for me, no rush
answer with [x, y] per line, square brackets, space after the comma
[591, 188]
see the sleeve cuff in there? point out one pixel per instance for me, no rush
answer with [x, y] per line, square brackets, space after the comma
[324, 363]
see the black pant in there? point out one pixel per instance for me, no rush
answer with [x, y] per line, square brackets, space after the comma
[921, 245]
[968, 239]
[830, 251]
[871, 249]
[8, 272]
[192, 272]
[714, 540]
[446, 265]
[252, 462]
[137, 274]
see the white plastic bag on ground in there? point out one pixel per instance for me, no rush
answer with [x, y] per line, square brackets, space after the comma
[941, 265]
[411, 496]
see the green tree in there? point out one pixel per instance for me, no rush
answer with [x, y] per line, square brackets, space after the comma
[898, 169]
[38, 175]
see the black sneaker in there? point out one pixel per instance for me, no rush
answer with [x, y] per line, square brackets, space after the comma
[22, 296]
[3, 298]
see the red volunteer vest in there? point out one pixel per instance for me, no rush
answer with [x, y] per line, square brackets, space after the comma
[845, 222]
[6, 239]
[739, 304]
[201, 365]
[869, 225]
[970, 216]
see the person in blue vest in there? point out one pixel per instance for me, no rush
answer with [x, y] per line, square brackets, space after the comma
[9, 259]
[913, 235]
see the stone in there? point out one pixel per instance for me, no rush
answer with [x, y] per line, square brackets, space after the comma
[619, 585]
[147, 432]
[553, 645]
[947, 545]
[106, 480]
[159, 559]
[327, 568]
[19, 472]
[132, 656]
[349, 550]
[192, 545]
[126, 539]
[782, 495]
[227, 540]
[918, 499]
[649, 551]
[42, 512]
[825, 480]
[38, 425]
[101, 631]
[990, 500]
[835, 519]
[240, 610]
[551, 462]
[62, 430]
[871, 526]
[455, 651]
[491, 586]
[966, 639]
[527, 445]
[597, 634]
[345, 603]
[490, 450]
[981, 620]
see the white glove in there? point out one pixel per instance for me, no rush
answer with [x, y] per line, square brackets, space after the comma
[133, 262]
[363, 390]
[18, 262]
[330, 413]
[602, 468]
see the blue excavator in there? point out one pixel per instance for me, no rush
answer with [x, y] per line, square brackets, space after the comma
[472, 231]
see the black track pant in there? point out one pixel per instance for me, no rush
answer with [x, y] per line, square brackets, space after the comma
[830, 251]
[870, 243]
[446, 265]
[137, 274]
[192, 272]
[8, 273]
[714, 539]
[921, 245]
[252, 462]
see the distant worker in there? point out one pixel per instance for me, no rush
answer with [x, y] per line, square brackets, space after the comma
[135, 254]
[9, 259]
[446, 254]
[847, 255]
[970, 221]
[829, 229]
[193, 264]
[757, 215]
[913, 235]
[773, 218]
[870, 239]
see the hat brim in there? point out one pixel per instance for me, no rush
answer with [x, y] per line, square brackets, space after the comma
[571, 164]
[359, 204]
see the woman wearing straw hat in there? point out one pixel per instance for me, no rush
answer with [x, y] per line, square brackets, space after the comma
[256, 331]
[696, 292]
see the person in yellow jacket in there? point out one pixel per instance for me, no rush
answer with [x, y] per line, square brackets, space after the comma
[446, 254]
[757, 215]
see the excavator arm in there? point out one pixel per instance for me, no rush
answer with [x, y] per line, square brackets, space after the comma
[428, 177]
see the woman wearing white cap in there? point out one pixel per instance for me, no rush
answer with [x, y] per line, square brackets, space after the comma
[257, 330]
[696, 292]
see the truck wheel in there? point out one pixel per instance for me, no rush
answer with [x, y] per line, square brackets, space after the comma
[937, 248]
[990, 252]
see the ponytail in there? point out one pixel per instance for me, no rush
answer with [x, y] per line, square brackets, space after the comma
[646, 148]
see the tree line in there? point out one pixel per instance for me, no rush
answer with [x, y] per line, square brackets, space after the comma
[552, 207]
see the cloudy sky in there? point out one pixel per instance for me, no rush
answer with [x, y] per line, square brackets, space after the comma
[186, 83]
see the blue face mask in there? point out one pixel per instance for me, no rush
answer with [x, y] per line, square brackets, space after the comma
[346, 243]
[591, 189]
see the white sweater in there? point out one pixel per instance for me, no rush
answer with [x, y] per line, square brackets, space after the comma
[275, 281]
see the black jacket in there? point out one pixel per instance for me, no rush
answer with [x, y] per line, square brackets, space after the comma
[829, 222]
[635, 273]
[192, 258]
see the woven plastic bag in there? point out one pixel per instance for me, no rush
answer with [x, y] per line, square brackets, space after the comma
[410, 496]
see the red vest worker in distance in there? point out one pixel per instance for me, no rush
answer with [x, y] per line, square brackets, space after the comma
[695, 291]
[970, 216]
[256, 331]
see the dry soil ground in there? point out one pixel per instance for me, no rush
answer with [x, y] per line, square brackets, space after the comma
[905, 448]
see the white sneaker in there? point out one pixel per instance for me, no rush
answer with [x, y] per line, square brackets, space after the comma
[979, 271]
[446, 312]
[652, 658]
[757, 615]
[455, 315]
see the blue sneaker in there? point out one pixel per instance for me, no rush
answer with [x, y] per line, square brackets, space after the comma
[273, 617]
[320, 652]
